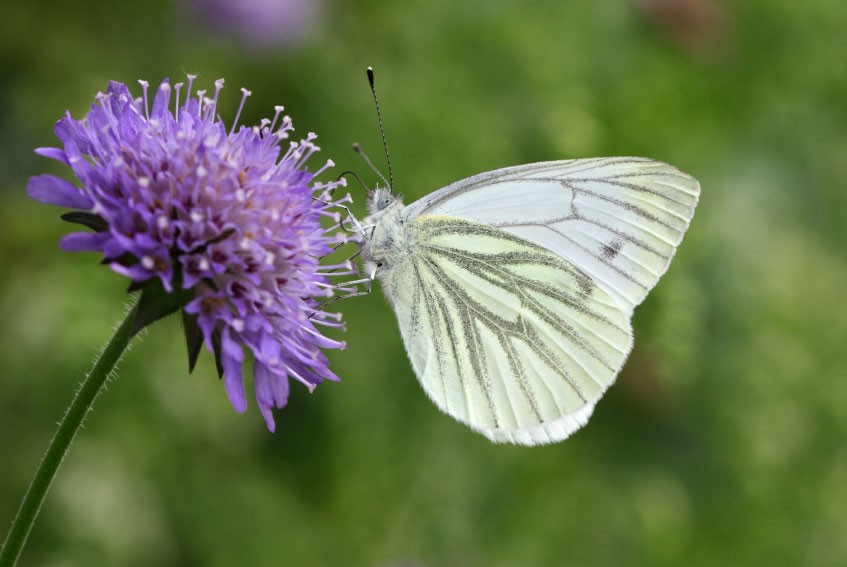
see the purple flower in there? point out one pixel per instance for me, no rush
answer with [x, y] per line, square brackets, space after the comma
[259, 25]
[180, 200]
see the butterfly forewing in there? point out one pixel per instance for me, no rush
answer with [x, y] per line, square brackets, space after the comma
[505, 335]
[618, 219]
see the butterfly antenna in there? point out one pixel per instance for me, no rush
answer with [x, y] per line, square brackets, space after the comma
[358, 149]
[381, 131]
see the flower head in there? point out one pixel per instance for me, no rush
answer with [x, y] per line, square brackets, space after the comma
[258, 25]
[177, 199]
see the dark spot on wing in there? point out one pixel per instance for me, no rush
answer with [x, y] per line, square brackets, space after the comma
[611, 250]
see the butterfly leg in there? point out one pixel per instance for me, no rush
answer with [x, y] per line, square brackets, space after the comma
[351, 218]
[335, 248]
[357, 227]
[349, 287]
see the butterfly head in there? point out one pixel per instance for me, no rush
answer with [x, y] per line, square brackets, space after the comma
[380, 200]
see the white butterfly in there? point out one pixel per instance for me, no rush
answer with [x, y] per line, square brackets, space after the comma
[514, 289]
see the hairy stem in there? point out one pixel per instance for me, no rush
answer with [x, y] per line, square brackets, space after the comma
[68, 429]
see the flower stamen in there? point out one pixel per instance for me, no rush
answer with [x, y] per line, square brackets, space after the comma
[177, 88]
[144, 86]
[219, 84]
[244, 94]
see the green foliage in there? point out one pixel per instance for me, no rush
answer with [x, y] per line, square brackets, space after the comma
[724, 438]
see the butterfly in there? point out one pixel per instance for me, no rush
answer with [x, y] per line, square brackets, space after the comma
[514, 289]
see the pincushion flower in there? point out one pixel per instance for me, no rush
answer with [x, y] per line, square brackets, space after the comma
[258, 25]
[225, 220]
[226, 225]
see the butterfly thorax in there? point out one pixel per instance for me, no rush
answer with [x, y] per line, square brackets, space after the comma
[385, 244]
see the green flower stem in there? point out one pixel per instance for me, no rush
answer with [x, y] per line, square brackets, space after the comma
[68, 428]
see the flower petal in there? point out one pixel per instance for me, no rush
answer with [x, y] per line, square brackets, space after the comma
[81, 167]
[52, 190]
[53, 153]
[119, 92]
[232, 356]
[69, 130]
[163, 97]
[271, 391]
[84, 241]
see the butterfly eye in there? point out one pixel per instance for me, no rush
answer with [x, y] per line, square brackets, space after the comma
[384, 202]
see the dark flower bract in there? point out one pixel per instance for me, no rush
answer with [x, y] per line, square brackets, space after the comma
[230, 214]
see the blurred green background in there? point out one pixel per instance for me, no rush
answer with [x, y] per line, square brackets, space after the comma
[723, 440]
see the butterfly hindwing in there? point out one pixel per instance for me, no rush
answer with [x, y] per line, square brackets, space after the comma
[503, 334]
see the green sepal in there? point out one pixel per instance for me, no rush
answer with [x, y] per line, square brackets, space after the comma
[156, 303]
[216, 346]
[138, 286]
[91, 220]
[125, 259]
[193, 338]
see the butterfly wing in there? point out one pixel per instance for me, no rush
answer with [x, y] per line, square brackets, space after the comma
[503, 334]
[618, 219]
